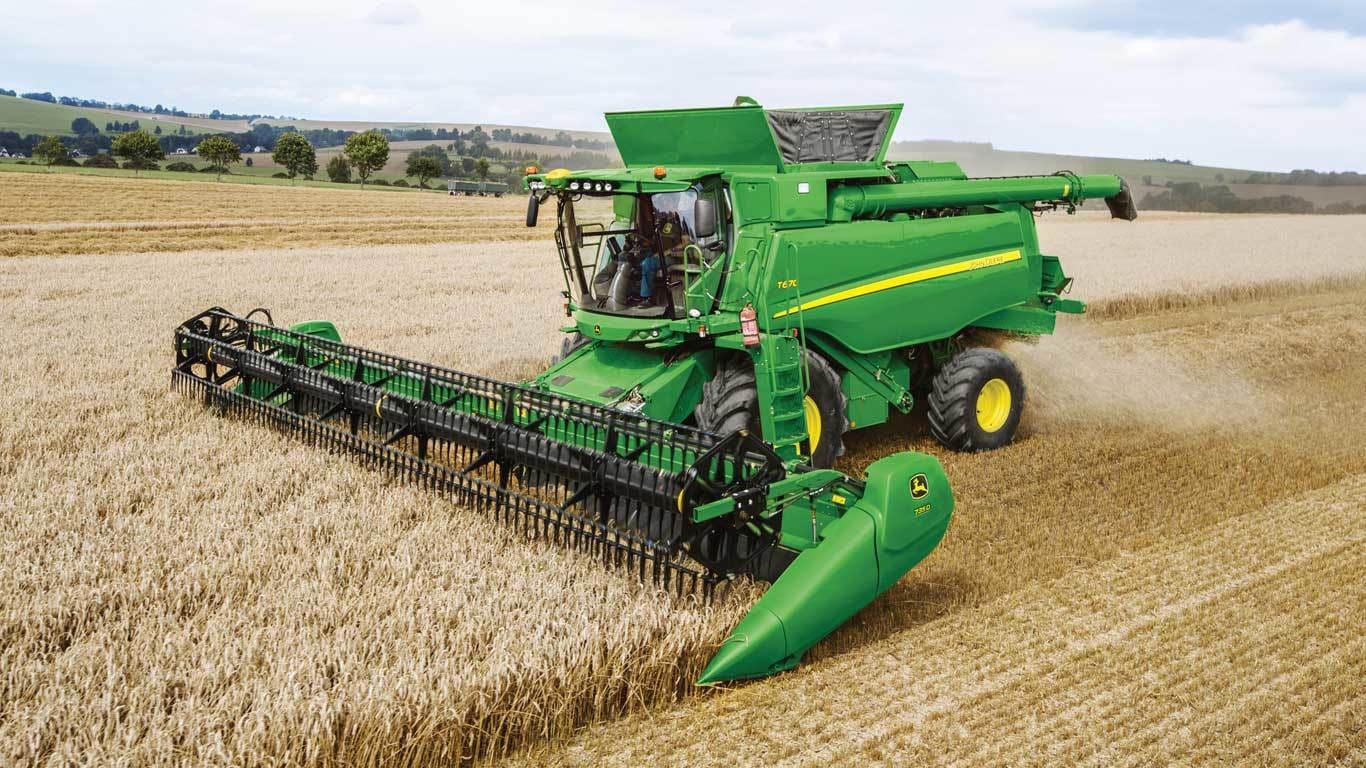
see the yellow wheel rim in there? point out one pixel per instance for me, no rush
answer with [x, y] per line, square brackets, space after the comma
[813, 423]
[993, 405]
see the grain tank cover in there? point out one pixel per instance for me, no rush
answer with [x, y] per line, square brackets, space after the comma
[832, 135]
[749, 135]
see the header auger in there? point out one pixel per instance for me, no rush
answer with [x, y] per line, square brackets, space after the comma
[766, 283]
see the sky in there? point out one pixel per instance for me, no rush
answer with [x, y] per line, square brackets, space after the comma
[1259, 85]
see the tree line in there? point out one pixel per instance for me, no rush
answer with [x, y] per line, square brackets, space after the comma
[1218, 198]
[72, 101]
[560, 139]
[1309, 178]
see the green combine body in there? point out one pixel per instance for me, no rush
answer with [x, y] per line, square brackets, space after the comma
[756, 284]
[877, 268]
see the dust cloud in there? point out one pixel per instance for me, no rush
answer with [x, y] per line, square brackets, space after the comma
[1082, 375]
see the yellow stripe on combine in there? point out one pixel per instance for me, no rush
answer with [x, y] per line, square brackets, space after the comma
[918, 276]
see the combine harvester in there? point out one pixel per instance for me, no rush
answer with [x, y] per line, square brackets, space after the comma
[767, 282]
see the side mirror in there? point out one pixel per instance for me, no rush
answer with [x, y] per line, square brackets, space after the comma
[704, 217]
[533, 207]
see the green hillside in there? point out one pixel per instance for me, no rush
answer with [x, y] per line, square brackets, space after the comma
[25, 116]
[365, 125]
[1144, 176]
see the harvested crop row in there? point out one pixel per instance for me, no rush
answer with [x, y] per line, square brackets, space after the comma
[36, 197]
[1182, 650]
[237, 235]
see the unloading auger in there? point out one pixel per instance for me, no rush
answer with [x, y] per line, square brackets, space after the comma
[670, 503]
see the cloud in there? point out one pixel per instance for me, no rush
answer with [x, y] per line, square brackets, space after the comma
[366, 98]
[1268, 96]
[394, 14]
[1201, 18]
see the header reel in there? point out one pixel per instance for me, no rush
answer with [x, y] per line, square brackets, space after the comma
[670, 503]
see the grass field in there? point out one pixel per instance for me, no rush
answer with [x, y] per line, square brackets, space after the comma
[364, 125]
[25, 116]
[237, 175]
[1166, 568]
[28, 116]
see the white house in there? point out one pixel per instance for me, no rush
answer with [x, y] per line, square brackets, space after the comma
[182, 151]
[4, 152]
[259, 148]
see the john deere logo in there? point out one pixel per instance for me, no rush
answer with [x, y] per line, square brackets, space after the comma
[597, 329]
[920, 487]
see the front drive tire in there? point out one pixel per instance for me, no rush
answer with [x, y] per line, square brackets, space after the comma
[976, 401]
[730, 401]
[568, 344]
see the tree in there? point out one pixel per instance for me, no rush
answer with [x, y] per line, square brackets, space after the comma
[338, 170]
[423, 167]
[82, 126]
[435, 152]
[49, 150]
[220, 151]
[295, 154]
[139, 149]
[481, 169]
[367, 152]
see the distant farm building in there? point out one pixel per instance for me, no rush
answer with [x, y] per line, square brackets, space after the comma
[259, 148]
[182, 151]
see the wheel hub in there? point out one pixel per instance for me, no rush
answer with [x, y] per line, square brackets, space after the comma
[993, 405]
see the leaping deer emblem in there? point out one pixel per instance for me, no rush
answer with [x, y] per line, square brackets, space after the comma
[920, 487]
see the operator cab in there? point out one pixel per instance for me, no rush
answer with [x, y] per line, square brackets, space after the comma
[652, 248]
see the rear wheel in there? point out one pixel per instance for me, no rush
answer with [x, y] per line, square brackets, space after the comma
[730, 401]
[826, 409]
[976, 401]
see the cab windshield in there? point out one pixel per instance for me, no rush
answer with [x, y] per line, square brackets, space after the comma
[639, 259]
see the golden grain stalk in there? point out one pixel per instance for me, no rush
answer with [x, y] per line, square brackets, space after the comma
[176, 588]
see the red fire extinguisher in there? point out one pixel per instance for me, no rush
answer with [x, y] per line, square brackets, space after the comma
[749, 325]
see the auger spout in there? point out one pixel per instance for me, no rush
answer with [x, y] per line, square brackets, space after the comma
[903, 514]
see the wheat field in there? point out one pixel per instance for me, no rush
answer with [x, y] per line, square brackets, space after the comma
[55, 214]
[1167, 567]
